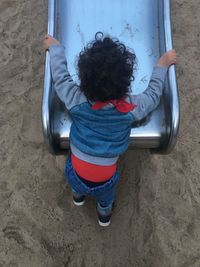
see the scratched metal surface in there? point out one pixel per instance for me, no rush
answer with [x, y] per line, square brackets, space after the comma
[139, 26]
[134, 24]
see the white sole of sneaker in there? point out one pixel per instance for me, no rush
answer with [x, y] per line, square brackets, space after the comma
[78, 203]
[104, 224]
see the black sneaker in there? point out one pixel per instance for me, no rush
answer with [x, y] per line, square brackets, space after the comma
[104, 215]
[78, 201]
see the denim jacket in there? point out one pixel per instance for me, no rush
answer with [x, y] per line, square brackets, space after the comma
[100, 136]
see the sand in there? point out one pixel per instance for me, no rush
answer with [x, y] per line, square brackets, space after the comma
[156, 220]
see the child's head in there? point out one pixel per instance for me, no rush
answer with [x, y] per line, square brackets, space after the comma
[105, 69]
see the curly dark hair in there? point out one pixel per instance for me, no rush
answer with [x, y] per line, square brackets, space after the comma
[105, 69]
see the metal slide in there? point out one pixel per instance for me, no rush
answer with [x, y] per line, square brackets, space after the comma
[141, 25]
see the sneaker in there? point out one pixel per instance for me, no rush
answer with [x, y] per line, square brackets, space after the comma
[104, 215]
[78, 200]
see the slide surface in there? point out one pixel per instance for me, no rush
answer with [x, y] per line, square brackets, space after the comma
[143, 27]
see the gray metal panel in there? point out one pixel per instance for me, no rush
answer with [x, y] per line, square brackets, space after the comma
[146, 29]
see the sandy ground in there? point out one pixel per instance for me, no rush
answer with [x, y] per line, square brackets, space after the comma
[156, 221]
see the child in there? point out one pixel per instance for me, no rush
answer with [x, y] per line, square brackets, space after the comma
[102, 111]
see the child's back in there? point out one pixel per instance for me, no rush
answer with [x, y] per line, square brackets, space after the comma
[102, 111]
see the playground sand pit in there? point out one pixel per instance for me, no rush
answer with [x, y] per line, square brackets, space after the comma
[157, 214]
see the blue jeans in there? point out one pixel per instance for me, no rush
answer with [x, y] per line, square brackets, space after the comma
[104, 194]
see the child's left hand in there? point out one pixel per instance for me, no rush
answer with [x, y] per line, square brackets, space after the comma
[49, 41]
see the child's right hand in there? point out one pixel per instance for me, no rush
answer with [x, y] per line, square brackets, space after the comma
[168, 59]
[49, 41]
